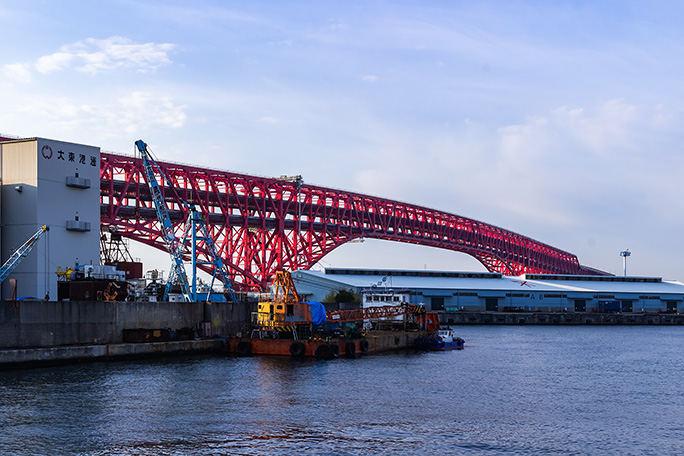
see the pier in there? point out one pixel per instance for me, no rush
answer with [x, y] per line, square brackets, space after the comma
[559, 318]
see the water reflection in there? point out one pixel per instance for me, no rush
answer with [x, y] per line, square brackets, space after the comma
[515, 390]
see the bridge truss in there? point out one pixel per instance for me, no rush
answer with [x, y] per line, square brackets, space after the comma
[262, 225]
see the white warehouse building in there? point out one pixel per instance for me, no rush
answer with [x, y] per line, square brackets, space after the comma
[482, 291]
[55, 183]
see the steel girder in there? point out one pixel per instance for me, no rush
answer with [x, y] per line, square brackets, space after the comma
[261, 225]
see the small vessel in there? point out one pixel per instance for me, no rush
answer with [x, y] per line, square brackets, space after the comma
[442, 339]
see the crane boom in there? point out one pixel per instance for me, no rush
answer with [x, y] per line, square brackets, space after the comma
[173, 245]
[21, 253]
[372, 313]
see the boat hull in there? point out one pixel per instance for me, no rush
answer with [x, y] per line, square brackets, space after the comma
[440, 344]
[447, 346]
[374, 342]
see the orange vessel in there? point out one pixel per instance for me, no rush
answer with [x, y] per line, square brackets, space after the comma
[284, 326]
[375, 342]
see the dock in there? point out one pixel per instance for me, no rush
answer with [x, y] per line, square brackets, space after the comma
[18, 358]
[560, 318]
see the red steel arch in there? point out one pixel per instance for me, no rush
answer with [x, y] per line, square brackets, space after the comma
[262, 225]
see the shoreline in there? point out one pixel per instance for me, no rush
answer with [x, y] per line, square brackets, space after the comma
[31, 357]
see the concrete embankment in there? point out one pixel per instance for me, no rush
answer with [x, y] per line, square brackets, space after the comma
[47, 332]
[49, 356]
[30, 324]
[559, 318]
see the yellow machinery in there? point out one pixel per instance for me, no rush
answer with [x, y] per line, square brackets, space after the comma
[64, 274]
[285, 310]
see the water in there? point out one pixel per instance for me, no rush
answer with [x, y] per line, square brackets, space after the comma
[513, 390]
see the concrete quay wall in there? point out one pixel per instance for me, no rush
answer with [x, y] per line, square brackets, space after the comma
[35, 357]
[35, 324]
[560, 318]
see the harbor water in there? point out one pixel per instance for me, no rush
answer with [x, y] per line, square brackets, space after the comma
[513, 390]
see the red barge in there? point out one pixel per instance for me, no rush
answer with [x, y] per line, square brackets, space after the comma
[286, 326]
[373, 342]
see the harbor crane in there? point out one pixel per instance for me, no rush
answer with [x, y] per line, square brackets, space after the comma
[21, 253]
[195, 227]
[173, 245]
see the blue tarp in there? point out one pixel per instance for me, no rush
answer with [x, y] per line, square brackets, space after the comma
[317, 312]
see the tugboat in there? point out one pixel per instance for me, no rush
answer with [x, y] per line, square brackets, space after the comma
[442, 340]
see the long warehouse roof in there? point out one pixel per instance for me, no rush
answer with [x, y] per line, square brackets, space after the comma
[397, 279]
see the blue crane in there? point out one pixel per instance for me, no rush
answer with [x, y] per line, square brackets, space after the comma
[21, 253]
[197, 229]
[176, 247]
[173, 245]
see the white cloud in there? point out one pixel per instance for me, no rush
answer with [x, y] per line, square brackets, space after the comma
[94, 56]
[68, 117]
[143, 109]
[610, 128]
[54, 62]
[118, 52]
[18, 71]
[557, 169]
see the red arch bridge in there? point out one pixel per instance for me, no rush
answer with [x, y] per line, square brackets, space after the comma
[262, 225]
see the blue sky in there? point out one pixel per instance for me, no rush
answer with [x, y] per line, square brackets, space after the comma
[558, 120]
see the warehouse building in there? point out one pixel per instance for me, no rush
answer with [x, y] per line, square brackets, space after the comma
[482, 291]
[55, 183]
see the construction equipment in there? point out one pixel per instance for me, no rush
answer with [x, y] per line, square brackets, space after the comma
[113, 249]
[173, 245]
[69, 273]
[373, 313]
[195, 227]
[21, 253]
[284, 312]
[284, 288]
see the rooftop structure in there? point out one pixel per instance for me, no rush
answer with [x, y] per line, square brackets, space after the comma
[476, 291]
